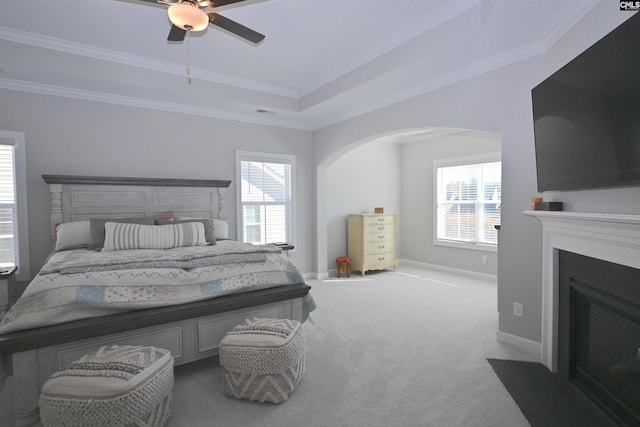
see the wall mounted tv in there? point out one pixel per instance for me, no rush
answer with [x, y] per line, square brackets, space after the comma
[587, 116]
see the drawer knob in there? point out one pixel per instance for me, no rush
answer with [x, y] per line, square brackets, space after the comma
[381, 258]
[380, 219]
[381, 236]
[381, 227]
[381, 247]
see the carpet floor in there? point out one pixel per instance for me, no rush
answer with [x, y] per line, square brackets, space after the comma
[545, 399]
[405, 348]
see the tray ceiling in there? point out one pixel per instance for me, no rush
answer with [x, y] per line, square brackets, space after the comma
[323, 61]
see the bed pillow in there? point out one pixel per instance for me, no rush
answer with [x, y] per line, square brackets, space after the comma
[221, 228]
[207, 223]
[96, 228]
[121, 236]
[72, 235]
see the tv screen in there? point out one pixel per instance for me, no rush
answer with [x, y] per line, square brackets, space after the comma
[587, 116]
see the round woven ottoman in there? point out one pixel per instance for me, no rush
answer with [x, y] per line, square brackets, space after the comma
[263, 359]
[114, 386]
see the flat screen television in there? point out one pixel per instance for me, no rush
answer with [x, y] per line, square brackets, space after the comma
[587, 116]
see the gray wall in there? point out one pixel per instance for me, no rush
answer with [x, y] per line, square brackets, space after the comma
[418, 198]
[364, 178]
[67, 136]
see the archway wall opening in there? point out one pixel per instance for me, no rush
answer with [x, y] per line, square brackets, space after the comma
[496, 104]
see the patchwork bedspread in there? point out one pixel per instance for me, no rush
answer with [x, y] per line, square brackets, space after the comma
[79, 284]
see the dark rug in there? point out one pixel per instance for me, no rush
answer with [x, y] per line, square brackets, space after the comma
[545, 399]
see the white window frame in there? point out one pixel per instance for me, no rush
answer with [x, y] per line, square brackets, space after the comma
[460, 161]
[265, 157]
[17, 139]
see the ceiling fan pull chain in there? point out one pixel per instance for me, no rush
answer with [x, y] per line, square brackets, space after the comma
[188, 56]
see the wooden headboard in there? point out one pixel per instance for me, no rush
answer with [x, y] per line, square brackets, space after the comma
[78, 198]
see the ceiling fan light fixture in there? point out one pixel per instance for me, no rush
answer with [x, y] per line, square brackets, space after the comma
[188, 16]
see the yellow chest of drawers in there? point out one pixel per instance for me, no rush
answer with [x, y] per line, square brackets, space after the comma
[372, 241]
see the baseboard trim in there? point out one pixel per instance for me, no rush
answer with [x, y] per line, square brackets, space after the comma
[532, 347]
[448, 269]
[319, 276]
[478, 275]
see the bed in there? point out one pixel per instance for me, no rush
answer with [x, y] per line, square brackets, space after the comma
[183, 298]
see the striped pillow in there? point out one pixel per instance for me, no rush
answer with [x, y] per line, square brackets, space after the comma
[121, 236]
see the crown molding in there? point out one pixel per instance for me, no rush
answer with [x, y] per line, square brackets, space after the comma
[37, 40]
[66, 92]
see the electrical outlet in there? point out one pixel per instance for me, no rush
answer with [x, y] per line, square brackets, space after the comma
[484, 260]
[518, 309]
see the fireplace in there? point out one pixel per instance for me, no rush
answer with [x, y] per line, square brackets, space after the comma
[594, 297]
[599, 333]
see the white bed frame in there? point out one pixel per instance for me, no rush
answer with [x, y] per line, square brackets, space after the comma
[190, 331]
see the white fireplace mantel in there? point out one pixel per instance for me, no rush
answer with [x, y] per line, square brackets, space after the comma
[610, 237]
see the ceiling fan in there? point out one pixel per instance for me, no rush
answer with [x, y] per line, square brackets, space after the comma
[193, 15]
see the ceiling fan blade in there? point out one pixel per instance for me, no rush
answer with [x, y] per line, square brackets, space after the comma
[176, 34]
[235, 28]
[218, 3]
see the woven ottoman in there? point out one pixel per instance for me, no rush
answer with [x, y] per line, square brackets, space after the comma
[262, 359]
[114, 386]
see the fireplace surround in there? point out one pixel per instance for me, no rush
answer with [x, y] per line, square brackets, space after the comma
[604, 239]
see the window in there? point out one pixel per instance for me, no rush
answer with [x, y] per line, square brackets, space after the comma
[468, 192]
[265, 197]
[14, 239]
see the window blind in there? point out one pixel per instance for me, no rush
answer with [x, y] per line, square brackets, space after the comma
[8, 222]
[266, 201]
[468, 202]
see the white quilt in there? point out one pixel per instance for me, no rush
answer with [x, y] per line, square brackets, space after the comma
[81, 283]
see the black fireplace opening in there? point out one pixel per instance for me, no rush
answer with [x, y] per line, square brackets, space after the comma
[599, 333]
